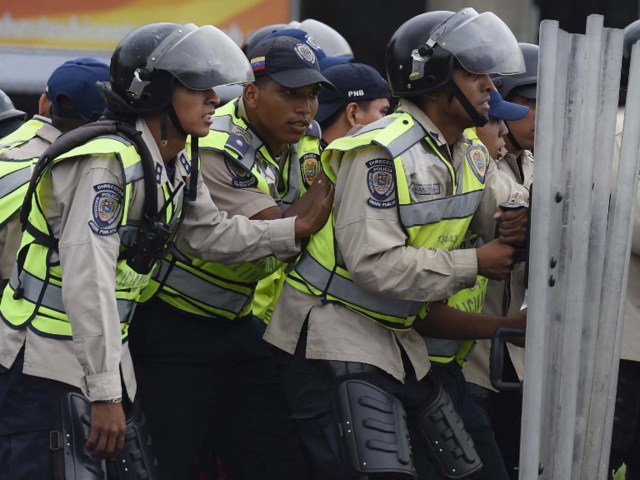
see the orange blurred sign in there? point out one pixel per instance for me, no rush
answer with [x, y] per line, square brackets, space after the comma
[100, 24]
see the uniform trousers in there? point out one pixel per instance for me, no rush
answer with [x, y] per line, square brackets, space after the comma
[311, 391]
[25, 422]
[474, 418]
[212, 383]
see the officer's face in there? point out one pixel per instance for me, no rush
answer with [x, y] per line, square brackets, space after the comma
[281, 115]
[371, 111]
[492, 136]
[194, 109]
[524, 130]
[475, 87]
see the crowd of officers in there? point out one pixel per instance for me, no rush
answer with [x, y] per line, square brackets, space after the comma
[288, 282]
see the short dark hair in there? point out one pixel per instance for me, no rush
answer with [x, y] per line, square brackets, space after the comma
[331, 119]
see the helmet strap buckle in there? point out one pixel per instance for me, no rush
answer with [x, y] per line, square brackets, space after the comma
[139, 82]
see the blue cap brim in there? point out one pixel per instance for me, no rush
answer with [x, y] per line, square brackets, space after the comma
[509, 111]
[299, 78]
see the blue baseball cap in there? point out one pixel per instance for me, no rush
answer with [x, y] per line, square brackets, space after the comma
[503, 110]
[353, 82]
[288, 61]
[76, 80]
[324, 60]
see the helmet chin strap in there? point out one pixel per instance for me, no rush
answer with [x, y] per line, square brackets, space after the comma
[192, 182]
[512, 139]
[478, 119]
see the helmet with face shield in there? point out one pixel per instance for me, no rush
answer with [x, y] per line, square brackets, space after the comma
[424, 51]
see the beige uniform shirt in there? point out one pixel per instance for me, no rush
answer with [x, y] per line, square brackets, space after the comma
[11, 232]
[631, 333]
[373, 247]
[219, 178]
[88, 260]
[503, 297]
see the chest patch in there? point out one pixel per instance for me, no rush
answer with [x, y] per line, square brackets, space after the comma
[310, 167]
[426, 188]
[240, 178]
[381, 183]
[106, 209]
[477, 158]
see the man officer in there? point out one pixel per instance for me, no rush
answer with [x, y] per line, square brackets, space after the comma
[98, 217]
[407, 188]
[262, 152]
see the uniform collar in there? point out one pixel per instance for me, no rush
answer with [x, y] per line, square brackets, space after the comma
[47, 132]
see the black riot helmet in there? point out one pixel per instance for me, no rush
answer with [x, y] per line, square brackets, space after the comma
[631, 36]
[148, 62]
[10, 117]
[258, 34]
[525, 83]
[423, 52]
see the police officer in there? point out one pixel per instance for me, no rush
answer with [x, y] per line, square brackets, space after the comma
[507, 296]
[625, 440]
[361, 96]
[70, 100]
[262, 152]
[97, 218]
[343, 324]
[10, 117]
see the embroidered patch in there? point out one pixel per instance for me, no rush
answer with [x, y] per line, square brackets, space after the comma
[106, 209]
[426, 189]
[241, 178]
[477, 158]
[158, 173]
[305, 53]
[312, 42]
[381, 184]
[184, 161]
[310, 167]
[239, 140]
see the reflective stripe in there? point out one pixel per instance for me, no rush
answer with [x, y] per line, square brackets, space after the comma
[11, 182]
[445, 349]
[133, 173]
[343, 289]
[199, 289]
[433, 211]
[52, 295]
[405, 141]
[377, 125]
[222, 123]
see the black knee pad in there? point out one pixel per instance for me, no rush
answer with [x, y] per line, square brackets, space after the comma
[373, 426]
[442, 430]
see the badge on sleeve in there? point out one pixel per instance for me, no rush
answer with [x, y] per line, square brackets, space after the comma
[310, 167]
[381, 183]
[477, 157]
[106, 209]
[240, 178]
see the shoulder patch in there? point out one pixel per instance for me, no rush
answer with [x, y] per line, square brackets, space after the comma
[381, 183]
[314, 130]
[310, 167]
[477, 156]
[239, 140]
[106, 209]
[185, 163]
[240, 178]
[158, 173]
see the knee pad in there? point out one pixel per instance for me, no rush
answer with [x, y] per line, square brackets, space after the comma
[72, 461]
[373, 426]
[450, 446]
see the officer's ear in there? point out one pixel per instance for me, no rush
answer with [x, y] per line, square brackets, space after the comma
[44, 106]
[350, 111]
[251, 94]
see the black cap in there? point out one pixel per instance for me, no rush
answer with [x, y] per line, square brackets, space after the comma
[353, 82]
[288, 61]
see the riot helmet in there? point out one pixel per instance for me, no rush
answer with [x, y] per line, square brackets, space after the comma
[631, 36]
[331, 41]
[258, 35]
[423, 52]
[525, 83]
[10, 117]
[147, 62]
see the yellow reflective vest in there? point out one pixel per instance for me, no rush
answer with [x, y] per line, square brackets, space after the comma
[33, 297]
[226, 290]
[15, 174]
[440, 223]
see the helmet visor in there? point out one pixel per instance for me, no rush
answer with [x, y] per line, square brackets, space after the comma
[482, 43]
[204, 58]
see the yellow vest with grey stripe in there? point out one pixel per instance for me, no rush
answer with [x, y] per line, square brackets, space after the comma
[439, 223]
[15, 174]
[214, 289]
[33, 297]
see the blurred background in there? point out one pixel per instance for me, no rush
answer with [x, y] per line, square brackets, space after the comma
[38, 35]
